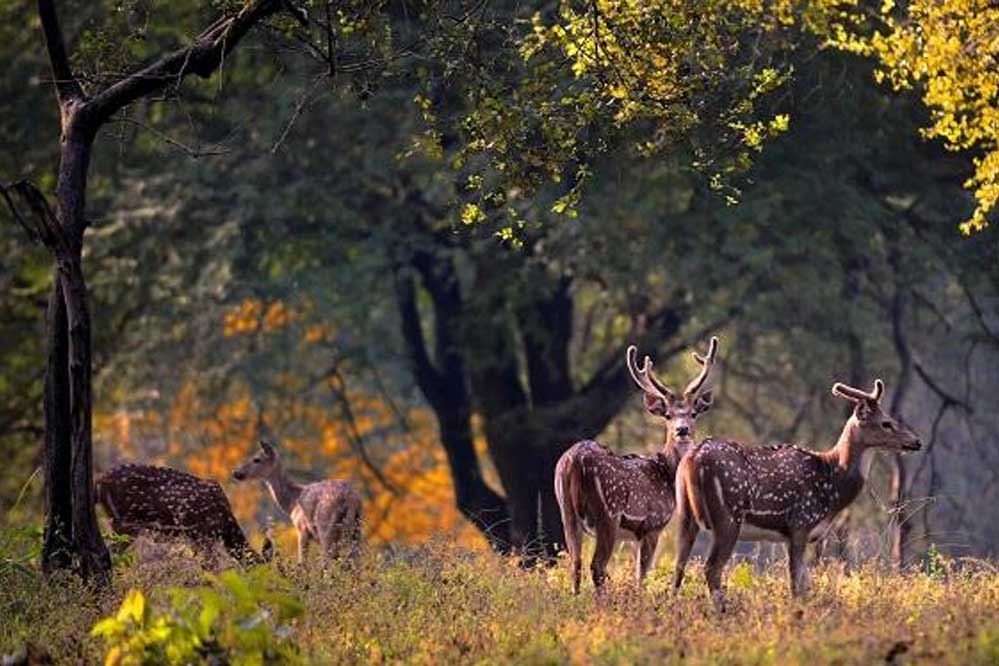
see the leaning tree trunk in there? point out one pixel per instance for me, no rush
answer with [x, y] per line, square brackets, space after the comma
[72, 537]
[68, 400]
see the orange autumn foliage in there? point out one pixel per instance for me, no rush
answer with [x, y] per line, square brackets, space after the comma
[209, 435]
[209, 438]
[254, 315]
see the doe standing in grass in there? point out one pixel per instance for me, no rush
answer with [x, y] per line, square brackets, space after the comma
[325, 511]
[629, 497]
[779, 493]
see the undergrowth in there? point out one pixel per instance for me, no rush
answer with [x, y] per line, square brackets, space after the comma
[440, 605]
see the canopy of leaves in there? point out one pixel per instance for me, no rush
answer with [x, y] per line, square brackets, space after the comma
[949, 52]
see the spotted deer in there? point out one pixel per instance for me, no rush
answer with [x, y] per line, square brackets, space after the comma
[325, 511]
[166, 501]
[629, 497]
[779, 493]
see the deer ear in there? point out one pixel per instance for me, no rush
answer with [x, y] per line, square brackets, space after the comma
[654, 404]
[703, 402]
[267, 447]
[879, 390]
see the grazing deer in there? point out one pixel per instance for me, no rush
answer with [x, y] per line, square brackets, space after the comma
[325, 511]
[629, 497]
[779, 493]
[166, 501]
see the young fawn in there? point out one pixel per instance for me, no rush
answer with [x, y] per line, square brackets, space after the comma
[629, 497]
[779, 493]
[325, 511]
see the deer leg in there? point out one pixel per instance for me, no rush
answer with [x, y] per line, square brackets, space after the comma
[332, 542]
[354, 552]
[574, 544]
[686, 535]
[726, 534]
[646, 555]
[796, 548]
[303, 544]
[606, 538]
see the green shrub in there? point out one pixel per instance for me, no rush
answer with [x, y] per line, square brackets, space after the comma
[236, 619]
[20, 548]
[933, 562]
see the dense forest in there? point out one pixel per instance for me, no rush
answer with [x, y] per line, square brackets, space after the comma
[411, 242]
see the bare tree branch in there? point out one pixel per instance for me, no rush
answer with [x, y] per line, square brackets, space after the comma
[202, 58]
[67, 86]
[42, 226]
[354, 435]
[948, 398]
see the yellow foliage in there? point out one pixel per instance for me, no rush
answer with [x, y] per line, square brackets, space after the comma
[949, 50]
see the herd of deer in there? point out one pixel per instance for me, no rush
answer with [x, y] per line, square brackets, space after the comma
[729, 489]
[166, 501]
[734, 491]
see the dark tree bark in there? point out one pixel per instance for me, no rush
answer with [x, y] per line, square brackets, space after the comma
[72, 537]
[477, 365]
[444, 385]
[58, 547]
[901, 525]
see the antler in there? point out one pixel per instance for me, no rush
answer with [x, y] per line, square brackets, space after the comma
[856, 395]
[700, 383]
[644, 377]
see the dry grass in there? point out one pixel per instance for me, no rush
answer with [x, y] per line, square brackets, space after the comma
[439, 605]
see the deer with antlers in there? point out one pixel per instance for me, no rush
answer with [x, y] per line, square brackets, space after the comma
[779, 493]
[630, 497]
[325, 511]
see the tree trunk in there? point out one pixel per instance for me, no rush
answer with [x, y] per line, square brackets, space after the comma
[69, 403]
[57, 551]
[71, 525]
[899, 481]
[476, 354]
[479, 503]
[444, 385]
[94, 559]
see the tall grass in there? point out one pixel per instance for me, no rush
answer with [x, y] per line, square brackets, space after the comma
[441, 605]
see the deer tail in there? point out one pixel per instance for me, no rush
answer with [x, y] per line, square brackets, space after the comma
[690, 492]
[568, 492]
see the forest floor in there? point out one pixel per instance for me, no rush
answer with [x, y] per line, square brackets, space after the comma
[440, 605]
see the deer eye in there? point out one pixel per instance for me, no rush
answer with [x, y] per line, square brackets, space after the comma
[256, 460]
[887, 425]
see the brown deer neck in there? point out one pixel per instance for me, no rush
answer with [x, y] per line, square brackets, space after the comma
[673, 452]
[850, 455]
[284, 491]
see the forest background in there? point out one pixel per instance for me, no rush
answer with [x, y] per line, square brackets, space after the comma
[416, 258]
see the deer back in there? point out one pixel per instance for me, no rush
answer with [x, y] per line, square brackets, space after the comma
[634, 492]
[168, 501]
[781, 488]
[327, 504]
